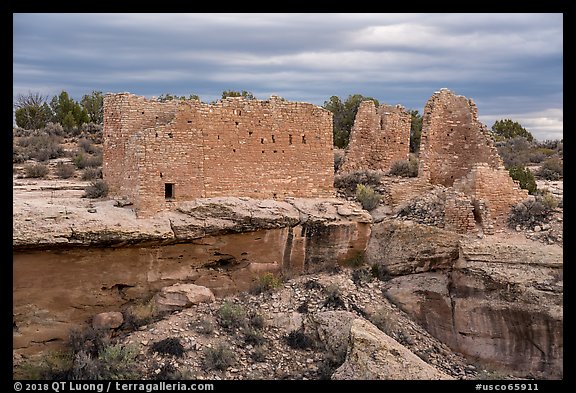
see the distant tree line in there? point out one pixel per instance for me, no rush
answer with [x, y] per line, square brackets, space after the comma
[33, 110]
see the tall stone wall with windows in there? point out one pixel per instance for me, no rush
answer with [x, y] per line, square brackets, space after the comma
[159, 153]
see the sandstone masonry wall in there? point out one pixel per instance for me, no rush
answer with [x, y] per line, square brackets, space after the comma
[159, 153]
[379, 137]
[458, 151]
[453, 139]
[494, 188]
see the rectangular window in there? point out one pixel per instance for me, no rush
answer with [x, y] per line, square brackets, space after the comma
[169, 190]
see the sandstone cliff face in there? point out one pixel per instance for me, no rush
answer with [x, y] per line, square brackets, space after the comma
[498, 301]
[220, 243]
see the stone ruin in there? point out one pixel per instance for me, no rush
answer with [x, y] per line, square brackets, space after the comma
[158, 154]
[456, 151]
[380, 136]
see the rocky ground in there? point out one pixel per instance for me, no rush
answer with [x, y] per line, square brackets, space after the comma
[305, 332]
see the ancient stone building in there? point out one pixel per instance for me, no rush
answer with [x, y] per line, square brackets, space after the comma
[157, 154]
[379, 137]
[458, 151]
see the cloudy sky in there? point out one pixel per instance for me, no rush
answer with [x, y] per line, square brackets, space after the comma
[510, 64]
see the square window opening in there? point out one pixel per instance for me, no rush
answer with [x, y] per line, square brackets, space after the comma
[169, 191]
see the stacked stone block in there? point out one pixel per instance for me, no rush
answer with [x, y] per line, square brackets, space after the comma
[380, 136]
[495, 188]
[159, 153]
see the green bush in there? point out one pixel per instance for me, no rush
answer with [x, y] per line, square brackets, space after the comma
[253, 336]
[529, 213]
[348, 181]
[86, 146]
[83, 160]
[266, 282]
[524, 177]
[551, 169]
[89, 356]
[41, 146]
[231, 316]
[96, 189]
[219, 357]
[367, 196]
[92, 173]
[65, 171]
[404, 168]
[35, 170]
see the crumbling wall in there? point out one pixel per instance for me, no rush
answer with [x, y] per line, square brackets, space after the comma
[159, 153]
[495, 188]
[453, 139]
[458, 151]
[459, 213]
[379, 137]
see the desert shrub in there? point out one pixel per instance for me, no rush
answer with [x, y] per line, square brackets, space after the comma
[338, 159]
[360, 276]
[367, 197]
[539, 154]
[379, 272]
[219, 357]
[91, 356]
[354, 261]
[255, 320]
[404, 168]
[83, 160]
[382, 319]
[258, 354]
[65, 171]
[253, 336]
[524, 177]
[204, 326]
[266, 282]
[514, 151]
[41, 146]
[333, 297]
[548, 199]
[96, 189]
[168, 346]
[54, 129]
[86, 146]
[35, 170]
[139, 314]
[19, 154]
[297, 339]
[231, 316]
[529, 213]
[91, 341]
[551, 169]
[92, 173]
[114, 362]
[348, 181]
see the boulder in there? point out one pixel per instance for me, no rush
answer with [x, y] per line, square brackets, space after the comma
[108, 320]
[179, 296]
[374, 355]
